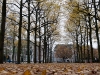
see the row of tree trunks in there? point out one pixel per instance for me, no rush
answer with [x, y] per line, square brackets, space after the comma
[96, 26]
[89, 18]
[45, 42]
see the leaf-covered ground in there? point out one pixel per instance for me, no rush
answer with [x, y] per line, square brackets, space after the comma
[50, 69]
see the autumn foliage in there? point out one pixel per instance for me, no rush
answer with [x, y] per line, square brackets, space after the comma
[63, 51]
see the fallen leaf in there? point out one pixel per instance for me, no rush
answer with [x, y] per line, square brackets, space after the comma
[1, 69]
[43, 72]
[27, 72]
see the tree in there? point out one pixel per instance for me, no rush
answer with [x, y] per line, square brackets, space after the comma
[63, 51]
[19, 36]
[2, 32]
[28, 33]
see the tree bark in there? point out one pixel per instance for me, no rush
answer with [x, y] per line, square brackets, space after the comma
[19, 37]
[28, 34]
[90, 37]
[2, 33]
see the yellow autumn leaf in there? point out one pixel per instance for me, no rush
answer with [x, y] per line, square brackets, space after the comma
[78, 70]
[65, 70]
[27, 72]
[82, 74]
[43, 72]
[12, 72]
[1, 69]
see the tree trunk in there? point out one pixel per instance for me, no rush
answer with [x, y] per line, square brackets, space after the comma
[88, 52]
[97, 30]
[51, 50]
[19, 37]
[84, 53]
[81, 45]
[28, 34]
[35, 46]
[13, 45]
[77, 47]
[90, 37]
[48, 53]
[2, 32]
[45, 42]
[39, 39]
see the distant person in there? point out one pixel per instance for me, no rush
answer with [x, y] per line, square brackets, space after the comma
[21, 58]
[68, 61]
[8, 59]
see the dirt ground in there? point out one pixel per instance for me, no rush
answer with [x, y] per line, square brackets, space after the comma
[50, 69]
